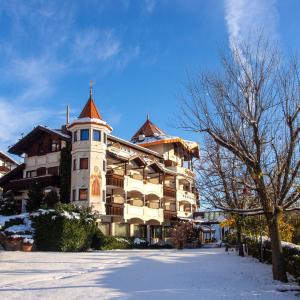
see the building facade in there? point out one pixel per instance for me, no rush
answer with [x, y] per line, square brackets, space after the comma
[139, 187]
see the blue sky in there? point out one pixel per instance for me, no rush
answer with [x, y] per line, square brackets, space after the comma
[138, 53]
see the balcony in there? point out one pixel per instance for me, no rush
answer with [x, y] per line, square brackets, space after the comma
[143, 186]
[169, 192]
[183, 171]
[143, 212]
[43, 160]
[114, 209]
[169, 215]
[186, 196]
[115, 180]
[184, 214]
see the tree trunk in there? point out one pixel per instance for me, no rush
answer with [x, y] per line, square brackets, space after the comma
[278, 265]
[239, 237]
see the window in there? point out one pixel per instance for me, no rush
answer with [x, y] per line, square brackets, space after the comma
[105, 138]
[84, 163]
[104, 196]
[74, 164]
[55, 145]
[97, 135]
[53, 171]
[104, 166]
[75, 136]
[84, 134]
[73, 195]
[121, 229]
[104, 227]
[30, 174]
[41, 149]
[83, 194]
[41, 171]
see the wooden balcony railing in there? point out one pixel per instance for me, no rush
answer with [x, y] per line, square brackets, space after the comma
[169, 192]
[114, 209]
[169, 215]
[115, 180]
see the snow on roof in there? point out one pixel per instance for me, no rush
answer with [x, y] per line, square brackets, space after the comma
[90, 120]
[134, 145]
[56, 131]
[7, 157]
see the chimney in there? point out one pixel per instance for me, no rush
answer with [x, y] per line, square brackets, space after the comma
[68, 115]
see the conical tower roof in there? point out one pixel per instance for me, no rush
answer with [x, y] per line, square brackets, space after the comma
[148, 129]
[90, 110]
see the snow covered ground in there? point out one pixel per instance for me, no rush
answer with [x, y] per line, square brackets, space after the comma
[136, 274]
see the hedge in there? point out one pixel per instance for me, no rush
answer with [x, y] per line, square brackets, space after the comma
[64, 228]
[291, 254]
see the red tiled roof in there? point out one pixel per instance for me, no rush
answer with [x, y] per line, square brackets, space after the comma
[90, 110]
[148, 129]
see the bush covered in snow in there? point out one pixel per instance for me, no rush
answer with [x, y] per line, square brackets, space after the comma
[291, 253]
[64, 228]
[111, 243]
[8, 205]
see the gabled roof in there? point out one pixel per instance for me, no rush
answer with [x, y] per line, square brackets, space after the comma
[90, 110]
[147, 129]
[4, 156]
[21, 146]
[15, 173]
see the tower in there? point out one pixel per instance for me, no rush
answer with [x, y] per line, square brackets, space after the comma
[89, 140]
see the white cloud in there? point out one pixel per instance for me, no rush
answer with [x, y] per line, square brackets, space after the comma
[247, 18]
[96, 45]
[15, 120]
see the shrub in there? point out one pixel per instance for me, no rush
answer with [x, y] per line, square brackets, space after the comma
[12, 222]
[183, 233]
[35, 197]
[65, 228]
[291, 253]
[97, 240]
[8, 205]
[111, 243]
[51, 199]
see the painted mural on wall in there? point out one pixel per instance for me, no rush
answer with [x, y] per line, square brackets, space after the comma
[96, 182]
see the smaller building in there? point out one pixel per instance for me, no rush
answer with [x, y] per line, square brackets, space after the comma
[210, 224]
[6, 164]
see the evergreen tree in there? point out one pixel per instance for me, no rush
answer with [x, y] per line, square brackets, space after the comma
[8, 205]
[51, 199]
[35, 197]
[65, 173]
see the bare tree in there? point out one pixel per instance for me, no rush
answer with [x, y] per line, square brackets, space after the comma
[252, 109]
[224, 183]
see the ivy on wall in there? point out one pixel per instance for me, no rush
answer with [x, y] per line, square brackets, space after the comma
[65, 173]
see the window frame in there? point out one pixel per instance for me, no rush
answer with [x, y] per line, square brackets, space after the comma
[82, 131]
[83, 191]
[98, 132]
[81, 163]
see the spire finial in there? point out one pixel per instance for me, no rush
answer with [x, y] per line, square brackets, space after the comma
[91, 88]
[148, 117]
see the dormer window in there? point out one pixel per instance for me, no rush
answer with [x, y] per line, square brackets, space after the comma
[96, 135]
[84, 134]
